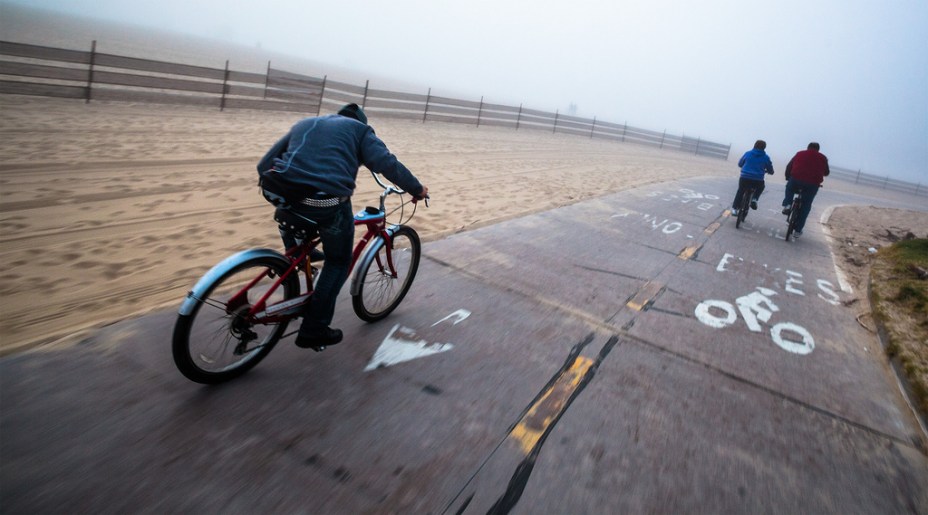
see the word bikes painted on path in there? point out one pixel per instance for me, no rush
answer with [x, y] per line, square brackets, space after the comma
[758, 309]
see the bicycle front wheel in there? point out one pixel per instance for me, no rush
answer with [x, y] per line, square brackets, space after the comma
[380, 292]
[217, 341]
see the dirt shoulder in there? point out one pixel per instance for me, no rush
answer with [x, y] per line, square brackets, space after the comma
[862, 240]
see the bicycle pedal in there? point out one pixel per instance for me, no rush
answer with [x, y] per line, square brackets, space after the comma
[319, 348]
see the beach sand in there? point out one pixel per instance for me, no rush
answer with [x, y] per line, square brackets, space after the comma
[109, 211]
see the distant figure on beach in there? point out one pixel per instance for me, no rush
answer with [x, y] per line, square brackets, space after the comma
[805, 173]
[317, 162]
[755, 163]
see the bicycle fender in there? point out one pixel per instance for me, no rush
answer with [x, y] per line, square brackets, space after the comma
[222, 268]
[366, 258]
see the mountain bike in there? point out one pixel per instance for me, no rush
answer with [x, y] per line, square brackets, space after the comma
[744, 205]
[236, 313]
[793, 218]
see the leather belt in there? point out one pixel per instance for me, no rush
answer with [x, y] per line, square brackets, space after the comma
[323, 202]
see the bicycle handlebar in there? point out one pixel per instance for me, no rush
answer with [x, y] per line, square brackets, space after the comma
[388, 189]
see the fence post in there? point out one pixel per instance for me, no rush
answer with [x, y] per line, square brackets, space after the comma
[428, 99]
[367, 84]
[480, 111]
[697, 146]
[225, 81]
[93, 58]
[885, 180]
[624, 128]
[325, 78]
[519, 117]
[728, 152]
[267, 78]
[856, 179]
[593, 129]
[556, 113]
[662, 138]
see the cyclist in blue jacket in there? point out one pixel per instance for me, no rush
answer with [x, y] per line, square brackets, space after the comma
[755, 163]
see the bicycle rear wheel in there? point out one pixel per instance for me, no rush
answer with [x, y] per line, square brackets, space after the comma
[743, 208]
[216, 342]
[792, 218]
[379, 293]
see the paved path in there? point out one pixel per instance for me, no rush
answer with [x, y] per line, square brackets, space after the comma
[635, 353]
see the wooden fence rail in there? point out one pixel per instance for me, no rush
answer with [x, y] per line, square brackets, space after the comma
[877, 181]
[37, 70]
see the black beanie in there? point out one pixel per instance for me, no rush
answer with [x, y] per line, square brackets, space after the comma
[353, 111]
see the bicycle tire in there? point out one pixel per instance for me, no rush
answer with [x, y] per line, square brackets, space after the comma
[379, 293]
[792, 218]
[220, 332]
[743, 208]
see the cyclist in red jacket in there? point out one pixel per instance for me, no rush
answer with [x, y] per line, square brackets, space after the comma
[805, 173]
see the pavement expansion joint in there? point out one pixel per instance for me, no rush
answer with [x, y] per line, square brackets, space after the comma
[531, 429]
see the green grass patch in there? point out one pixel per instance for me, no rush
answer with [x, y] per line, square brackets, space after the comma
[899, 295]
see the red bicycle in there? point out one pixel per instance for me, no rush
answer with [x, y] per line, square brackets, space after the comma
[240, 309]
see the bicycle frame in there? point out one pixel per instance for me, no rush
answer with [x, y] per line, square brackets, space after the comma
[376, 227]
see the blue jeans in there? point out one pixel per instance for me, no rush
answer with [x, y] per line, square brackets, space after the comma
[336, 229]
[808, 194]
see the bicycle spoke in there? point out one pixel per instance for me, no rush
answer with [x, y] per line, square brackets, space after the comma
[219, 340]
[380, 291]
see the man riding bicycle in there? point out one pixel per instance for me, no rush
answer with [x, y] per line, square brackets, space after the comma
[805, 173]
[317, 161]
[754, 164]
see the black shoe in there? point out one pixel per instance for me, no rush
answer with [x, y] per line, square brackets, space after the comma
[786, 210]
[318, 340]
[754, 205]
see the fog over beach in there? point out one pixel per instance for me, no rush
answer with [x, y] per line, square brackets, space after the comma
[851, 76]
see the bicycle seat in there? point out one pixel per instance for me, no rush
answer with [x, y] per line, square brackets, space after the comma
[298, 225]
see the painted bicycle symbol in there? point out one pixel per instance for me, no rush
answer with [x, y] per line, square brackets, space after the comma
[754, 308]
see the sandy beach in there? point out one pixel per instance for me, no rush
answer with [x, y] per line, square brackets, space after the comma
[112, 210]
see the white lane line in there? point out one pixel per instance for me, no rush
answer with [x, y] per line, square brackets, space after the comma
[842, 279]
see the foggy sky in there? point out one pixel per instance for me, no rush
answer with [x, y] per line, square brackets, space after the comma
[850, 74]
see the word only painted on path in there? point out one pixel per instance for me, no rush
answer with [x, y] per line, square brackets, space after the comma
[666, 226]
[404, 344]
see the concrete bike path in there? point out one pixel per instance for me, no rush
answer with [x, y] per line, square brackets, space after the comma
[555, 363]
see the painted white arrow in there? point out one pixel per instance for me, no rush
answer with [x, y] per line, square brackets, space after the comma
[457, 317]
[401, 345]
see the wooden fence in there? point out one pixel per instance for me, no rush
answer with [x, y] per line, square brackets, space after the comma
[877, 181]
[37, 70]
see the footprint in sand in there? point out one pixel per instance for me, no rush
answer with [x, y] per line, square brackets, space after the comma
[113, 270]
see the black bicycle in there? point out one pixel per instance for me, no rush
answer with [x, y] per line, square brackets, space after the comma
[793, 217]
[743, 206]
